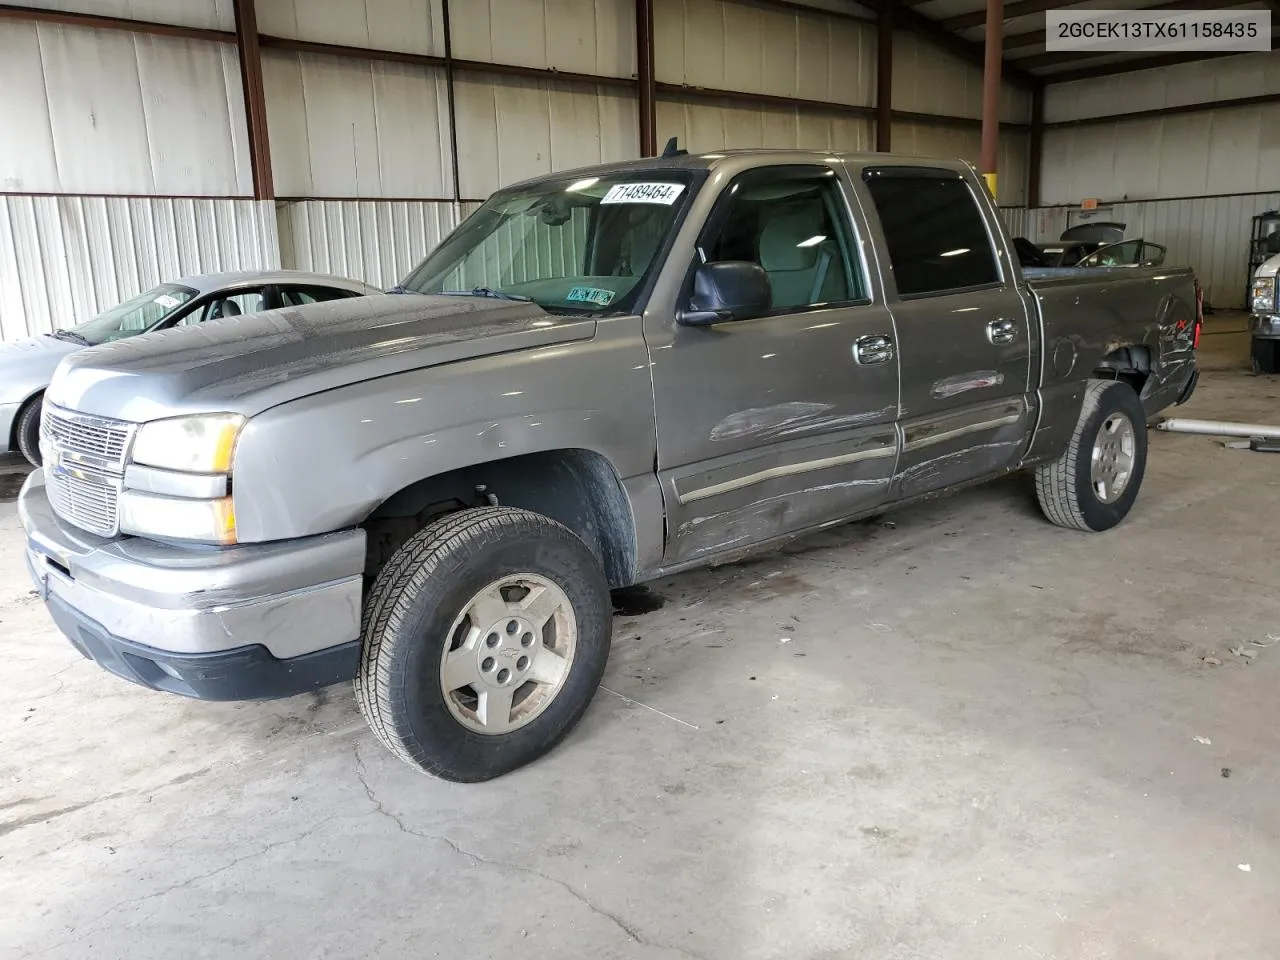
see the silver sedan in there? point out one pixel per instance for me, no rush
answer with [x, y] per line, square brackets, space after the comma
[26, 366]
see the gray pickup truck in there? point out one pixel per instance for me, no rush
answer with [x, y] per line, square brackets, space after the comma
[600, 378]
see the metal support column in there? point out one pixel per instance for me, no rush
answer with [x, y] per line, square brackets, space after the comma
[449, 100]
[1035, 148]
[255, 101]
[644, 78]
[991, 92]
[884, 77]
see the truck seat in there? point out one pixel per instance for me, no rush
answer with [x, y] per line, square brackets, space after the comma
[799, 253]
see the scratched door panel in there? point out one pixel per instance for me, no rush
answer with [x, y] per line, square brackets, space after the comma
[768, 426]
[964, 339]
[965, 412]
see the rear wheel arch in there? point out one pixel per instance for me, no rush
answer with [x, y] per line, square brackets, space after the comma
[1132, 364]
[577, 488]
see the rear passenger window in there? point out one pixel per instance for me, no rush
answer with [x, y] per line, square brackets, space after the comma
[298, 296]
[936, 235]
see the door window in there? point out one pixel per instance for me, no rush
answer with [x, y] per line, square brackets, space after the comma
[794, 224]
[298, 296]
[228, 305]
[935, 232]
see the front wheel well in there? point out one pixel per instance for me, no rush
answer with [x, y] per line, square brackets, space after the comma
[578, 488]
[26, 405]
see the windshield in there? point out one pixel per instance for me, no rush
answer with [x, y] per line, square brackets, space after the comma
[134, 316]
[570, 246]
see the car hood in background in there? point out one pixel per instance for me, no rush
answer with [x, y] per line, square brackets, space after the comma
[27, 365]
[247, 364]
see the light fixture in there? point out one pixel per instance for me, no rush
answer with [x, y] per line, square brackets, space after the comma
[954, 253]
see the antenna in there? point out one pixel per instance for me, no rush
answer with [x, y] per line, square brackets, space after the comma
[672, 150]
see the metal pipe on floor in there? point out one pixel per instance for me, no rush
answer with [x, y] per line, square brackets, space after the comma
[994, 51]
[1219, 428]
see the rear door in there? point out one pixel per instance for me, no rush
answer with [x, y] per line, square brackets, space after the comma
[963, 328]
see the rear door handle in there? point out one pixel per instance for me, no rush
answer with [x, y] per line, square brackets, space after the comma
[874, 349]
[1002, 330]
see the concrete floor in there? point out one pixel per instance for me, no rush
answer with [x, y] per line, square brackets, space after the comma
[981, 739]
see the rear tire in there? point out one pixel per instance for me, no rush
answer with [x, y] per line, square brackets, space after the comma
[1093, 485]
[446, 681]
[27, 430]
[1265, 356]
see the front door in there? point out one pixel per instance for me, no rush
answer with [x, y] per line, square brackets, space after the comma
[776, 424]
[963, 332]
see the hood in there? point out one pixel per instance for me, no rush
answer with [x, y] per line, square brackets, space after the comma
[247, 364]
[26, 366]
[1098, 232]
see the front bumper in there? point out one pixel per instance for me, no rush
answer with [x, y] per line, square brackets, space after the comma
[247, 622]
[1264, 327]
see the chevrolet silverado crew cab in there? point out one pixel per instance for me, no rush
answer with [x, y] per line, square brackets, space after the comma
[599, 378]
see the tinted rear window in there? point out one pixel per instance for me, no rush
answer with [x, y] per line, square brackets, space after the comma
[935, 232]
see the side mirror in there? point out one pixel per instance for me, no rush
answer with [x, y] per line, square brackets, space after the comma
[729, 290]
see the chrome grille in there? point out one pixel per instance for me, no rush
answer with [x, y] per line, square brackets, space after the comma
[84, 467]
[76, 433]
[88, 504]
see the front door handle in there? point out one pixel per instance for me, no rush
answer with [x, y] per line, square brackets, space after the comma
[1002, 330]
[875, 349]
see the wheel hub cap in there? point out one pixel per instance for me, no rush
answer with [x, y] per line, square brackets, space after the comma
[1111, 465]
[509, 653]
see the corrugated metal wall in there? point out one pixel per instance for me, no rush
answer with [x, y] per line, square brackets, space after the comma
[63, 259]
[352, 128]
[409, 26]
[101, 111]
[378, 242]
[212, 14]
[706, 126]
[510, 129]
[1234, 150]
[929, 80]
[581, 36]
[732, 46]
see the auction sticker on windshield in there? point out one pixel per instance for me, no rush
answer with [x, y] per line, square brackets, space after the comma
[663, 193]
[167, 301]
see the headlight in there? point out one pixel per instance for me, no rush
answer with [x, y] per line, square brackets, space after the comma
[1263, 299]
[201, 444]
[175, 518]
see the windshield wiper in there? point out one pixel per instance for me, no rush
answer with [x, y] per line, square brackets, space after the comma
[486, 292]
[72, 337]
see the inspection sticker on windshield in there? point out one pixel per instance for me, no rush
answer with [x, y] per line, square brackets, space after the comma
[167, 301]
[663, 193]
[590, 295]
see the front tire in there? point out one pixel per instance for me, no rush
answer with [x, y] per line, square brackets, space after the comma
[27, 430]
[485, 638]
[1093, 485]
